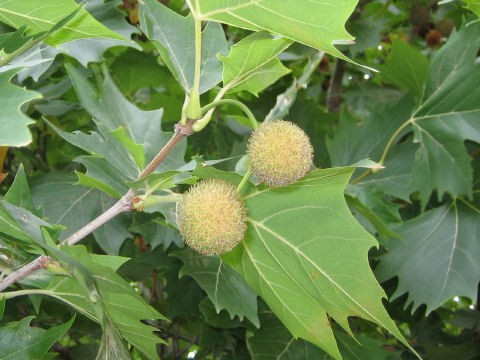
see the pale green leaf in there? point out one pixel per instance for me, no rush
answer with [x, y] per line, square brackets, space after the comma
[319, 24]
[473, 5]
[41, 18]
[174, 36]
[13, 123]
[135, 150]
[252, 63]
[441, 245]
[306, 256]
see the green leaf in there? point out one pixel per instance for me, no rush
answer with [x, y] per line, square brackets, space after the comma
[224, 287]
[406, 68]
[307, 257]
[19, 193]
[42, 18]
[19, 341]
[155, 231]
[135, 150]
[103, 144]
[101, 175]
[447, 117]
[473, 5]
[349, 143]
[123, 306]
[13, 123]
[111, 109]
[441, 245]
[273, 341]
[73, 206]
[317, 24]
[174, 37]
[395, 178]
[220, 320]
[20, 223]
[252, 63]
[2, 306]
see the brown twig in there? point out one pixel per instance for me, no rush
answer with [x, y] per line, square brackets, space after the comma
[334, 98]
[37, 264]
[122, 205]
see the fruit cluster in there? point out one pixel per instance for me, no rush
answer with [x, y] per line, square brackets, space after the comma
[211, 216]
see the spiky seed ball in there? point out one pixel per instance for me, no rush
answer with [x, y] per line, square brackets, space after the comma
[280, 153]
[211, 217]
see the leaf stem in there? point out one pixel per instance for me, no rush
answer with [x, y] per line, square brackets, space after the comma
[392, 140]
[244, 181]
[386, 151]
[193, 109]
[199, 125]
[37, 264]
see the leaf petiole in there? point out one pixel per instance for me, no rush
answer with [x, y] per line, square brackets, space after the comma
[200, 125]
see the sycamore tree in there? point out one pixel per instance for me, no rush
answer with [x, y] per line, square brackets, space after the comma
[241, 179]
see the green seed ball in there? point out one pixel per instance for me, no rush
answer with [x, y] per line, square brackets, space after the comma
[280, 153]
[211, 217]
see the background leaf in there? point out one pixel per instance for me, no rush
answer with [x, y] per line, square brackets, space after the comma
[225, 288]
[20, 341]
[442, 246]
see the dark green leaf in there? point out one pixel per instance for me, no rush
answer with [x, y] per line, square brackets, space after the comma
[225, 288]
[406, 68]
[447, 117]
[437, 258]
[20, 341]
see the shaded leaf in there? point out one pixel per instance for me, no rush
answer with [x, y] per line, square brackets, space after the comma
[441, 245]
[20, 341]
[448, 116]
[406, 67]
[73, 206]
[348, 144]
[225, 288]
[111, 109]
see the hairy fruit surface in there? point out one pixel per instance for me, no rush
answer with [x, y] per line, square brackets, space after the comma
[280, 153]
[211, 217]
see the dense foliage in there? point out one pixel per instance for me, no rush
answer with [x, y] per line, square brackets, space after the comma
[374, 254]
